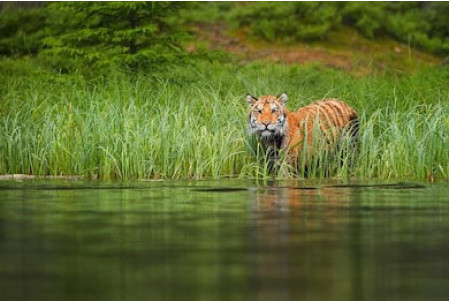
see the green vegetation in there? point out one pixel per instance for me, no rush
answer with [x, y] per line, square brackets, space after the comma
[85, 91]
[94, 37]
[112, 34]
[422, 24]
[21, 31]
[193, 124]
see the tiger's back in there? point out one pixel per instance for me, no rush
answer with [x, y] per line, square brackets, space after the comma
[332, 116]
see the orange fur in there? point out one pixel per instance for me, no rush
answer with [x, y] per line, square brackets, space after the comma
[279, 129]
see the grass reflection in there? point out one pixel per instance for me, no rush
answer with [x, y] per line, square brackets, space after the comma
[269, 242]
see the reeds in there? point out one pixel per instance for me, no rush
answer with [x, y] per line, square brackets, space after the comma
[193, 126]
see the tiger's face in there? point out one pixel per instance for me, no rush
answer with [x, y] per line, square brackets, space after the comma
[267, 117]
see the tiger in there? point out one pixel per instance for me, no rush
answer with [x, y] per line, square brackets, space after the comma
[282, 131]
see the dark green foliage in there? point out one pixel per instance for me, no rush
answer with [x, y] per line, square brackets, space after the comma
[102, 35]
[21, 31]
[289, 20]
[205, 12]
[421, 24]
[98, 36]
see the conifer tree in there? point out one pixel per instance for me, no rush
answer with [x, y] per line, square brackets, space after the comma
[105, 34]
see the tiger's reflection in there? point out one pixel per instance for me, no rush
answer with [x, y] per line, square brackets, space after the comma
[285, 220]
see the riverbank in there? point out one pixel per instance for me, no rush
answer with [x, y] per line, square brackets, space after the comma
[192, 124]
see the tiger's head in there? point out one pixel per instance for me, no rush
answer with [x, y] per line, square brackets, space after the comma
[267, 117]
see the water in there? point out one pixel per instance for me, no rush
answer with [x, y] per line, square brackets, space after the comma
[232, 240]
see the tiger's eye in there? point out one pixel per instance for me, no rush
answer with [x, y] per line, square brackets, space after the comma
[274, 110]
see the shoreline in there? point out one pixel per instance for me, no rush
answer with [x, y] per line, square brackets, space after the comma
[21, 177]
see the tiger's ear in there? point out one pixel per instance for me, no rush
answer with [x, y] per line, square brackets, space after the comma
[283, 98]
[250, 99]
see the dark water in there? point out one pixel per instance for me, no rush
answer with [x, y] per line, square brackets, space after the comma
[232, 240]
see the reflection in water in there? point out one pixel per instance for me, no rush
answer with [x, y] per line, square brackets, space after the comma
[177, 241]
[338, 243]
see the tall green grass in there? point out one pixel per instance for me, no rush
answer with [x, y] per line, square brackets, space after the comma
[192, 123]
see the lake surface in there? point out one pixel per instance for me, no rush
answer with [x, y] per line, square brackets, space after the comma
[229, 240]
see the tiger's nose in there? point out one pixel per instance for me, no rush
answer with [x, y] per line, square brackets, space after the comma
[266, 124]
